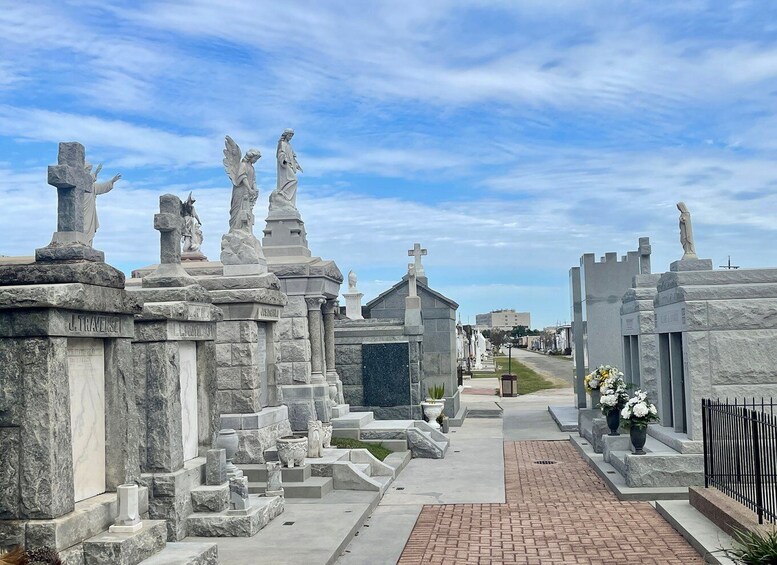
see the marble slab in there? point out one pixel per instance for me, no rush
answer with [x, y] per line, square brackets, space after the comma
[187, 351]
[86, 372]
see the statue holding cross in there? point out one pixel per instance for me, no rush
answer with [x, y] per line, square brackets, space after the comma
[417, 252]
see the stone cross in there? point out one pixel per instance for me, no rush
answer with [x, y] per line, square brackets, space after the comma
[411, 280]
[417, 253]
[70, 178]
[169, 222]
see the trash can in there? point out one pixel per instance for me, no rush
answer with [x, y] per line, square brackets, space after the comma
[509, 385]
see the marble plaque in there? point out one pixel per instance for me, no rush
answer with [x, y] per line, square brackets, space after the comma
[386, 373]
[86, 373]
[187, 351]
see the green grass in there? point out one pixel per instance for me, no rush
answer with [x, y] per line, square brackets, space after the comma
[528, 380]
[376, 449]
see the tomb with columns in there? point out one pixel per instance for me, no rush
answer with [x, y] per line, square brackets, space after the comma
[69, 429]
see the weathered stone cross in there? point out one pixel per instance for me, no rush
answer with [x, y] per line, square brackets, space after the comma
[417, 253]
[71, 180]
[169, 222]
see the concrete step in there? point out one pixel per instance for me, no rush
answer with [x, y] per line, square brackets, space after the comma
[398, 460]
[364, 468]
[230, 523]
[701, 533]
[353, 420]
[185, 553]
[393, 445]
[207, 498]
[257, 473]
[421, 445]
[314, 487]
[126, 549]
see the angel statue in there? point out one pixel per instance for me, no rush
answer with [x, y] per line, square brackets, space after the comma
[285, 193]
[351, 281]
[244, 192]
[191, 235]
[90, 199]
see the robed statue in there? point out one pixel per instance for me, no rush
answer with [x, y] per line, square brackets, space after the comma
[244, 192]
[285, 193]
[191, 234]
[91, 222]
[351, 281]
[686, 232]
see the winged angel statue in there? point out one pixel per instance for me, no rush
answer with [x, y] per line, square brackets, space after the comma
[244, 192]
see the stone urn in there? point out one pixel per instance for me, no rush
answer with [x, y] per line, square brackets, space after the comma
[292, 450]
[229, 442]
[614, 421]
[596, 396]
[638, 439]
[327, 427]
[432, 409]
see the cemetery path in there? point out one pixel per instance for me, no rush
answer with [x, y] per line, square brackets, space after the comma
[557, 367]
[554, 513]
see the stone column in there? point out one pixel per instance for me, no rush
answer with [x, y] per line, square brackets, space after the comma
[335, 386]
[316, 347]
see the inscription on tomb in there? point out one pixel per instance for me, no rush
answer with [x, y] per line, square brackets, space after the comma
[270, 312]
[94, 324]
[191, 330]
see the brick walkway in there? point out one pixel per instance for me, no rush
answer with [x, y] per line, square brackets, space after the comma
[555, 514]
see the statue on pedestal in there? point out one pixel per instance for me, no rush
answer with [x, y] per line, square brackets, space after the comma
[191, 235]
[285, 193]
[244, 192]
[686, 232]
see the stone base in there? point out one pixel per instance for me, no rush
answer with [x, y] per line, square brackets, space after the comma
[126, 529]
[170, 496]
[193, 256]
[257, 432]
[691, 265]
[221, 524]
[90, 517]
[285, 236]
[54, 254]
[126, 549]
[91, 273]
[306, 402]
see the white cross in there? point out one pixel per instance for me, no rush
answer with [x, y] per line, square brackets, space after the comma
[417, 253]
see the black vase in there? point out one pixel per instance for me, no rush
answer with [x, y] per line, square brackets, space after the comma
[638, 437]
[614, 421]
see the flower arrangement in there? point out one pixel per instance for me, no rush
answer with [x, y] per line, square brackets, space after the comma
[613, 392]
[639, 411]
[594, 380]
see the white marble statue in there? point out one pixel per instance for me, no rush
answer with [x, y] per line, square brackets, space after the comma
[686, 232]
[285, 193]
[351, 281]
[244, 192]
[191, 235]
[315, 439]
[91, 222]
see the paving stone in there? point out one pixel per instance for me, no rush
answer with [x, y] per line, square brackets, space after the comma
[555, 513]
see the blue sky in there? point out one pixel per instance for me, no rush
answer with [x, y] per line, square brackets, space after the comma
[509, 138]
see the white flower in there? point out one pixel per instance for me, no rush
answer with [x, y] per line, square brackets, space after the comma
[608, 400]
[640, 410]
[626, 413]
[653, 409]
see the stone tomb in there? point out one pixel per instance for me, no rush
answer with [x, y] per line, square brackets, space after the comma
[175, 376]
[379, 363]
[596, 292]
[68, 429]
[435, 316]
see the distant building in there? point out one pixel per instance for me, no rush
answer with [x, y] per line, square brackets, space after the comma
[504, 319]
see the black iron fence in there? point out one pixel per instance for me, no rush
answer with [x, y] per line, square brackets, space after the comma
[740, 453]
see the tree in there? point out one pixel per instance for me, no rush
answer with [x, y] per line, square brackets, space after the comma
[498, 338]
